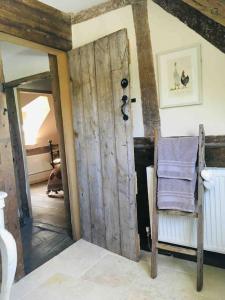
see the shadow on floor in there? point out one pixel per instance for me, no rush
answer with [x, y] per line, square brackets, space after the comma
[41, 242]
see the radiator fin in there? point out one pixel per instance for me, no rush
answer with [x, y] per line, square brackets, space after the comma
[183, 230]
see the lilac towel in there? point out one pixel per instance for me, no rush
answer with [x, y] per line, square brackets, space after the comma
[177, 157]
[177, 173]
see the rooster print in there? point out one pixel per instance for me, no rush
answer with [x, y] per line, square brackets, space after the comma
[181, 79]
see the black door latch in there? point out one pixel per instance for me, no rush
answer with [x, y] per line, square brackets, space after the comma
[125, 101]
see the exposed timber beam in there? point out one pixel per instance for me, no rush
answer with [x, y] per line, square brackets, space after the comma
[197, 20]
[36, 22]
[37, 150]
[100, 9]
[214, 151]
[149, 100]
[214, 9]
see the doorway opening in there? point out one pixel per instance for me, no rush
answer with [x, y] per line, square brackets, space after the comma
[41, 141]
[39, 156]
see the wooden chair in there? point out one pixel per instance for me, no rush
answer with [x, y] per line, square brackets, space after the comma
[54, 154]
[198, 214]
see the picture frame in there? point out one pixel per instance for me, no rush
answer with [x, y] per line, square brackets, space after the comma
[180, 77]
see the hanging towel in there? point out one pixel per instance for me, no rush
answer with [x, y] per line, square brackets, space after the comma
[177, 173]
[177, 157]
[177, 194]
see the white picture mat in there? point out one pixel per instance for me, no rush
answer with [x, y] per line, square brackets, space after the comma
[182, 97]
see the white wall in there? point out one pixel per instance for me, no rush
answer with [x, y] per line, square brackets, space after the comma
[103, 25]
[167, 33]
[19, 62]
[72, 5]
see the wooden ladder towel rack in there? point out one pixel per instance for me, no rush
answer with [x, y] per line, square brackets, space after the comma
[198, 253]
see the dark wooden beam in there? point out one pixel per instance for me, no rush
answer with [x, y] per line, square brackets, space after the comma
[37, 150]
[214, 151]
[41, 150]
[27, 79]
[214, 9]
[208, 28]
[149, 97]
[34, 91]
[37, 22]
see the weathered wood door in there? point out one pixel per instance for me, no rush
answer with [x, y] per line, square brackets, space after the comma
[104, 145]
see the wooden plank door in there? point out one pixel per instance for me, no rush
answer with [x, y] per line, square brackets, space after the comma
[104, 145]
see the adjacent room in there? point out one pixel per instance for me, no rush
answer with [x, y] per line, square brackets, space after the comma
[43, 219]
[112, 149]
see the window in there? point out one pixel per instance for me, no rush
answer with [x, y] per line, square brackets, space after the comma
[34, 115]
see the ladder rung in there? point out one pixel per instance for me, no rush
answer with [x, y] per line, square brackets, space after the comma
[177, 249]
[177, 213]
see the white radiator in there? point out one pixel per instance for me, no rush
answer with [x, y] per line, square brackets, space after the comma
[182, 230]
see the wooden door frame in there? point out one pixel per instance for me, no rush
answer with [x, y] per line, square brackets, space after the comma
[17, 140]
[61, 81]
[18, 155]
[19, 164]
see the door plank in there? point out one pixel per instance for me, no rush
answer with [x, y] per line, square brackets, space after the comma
[107, 143]
[80, 145]
[93, 144]
[119, 54]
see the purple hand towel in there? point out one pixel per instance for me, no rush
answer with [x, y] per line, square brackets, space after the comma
[177, 194]
[177, 157]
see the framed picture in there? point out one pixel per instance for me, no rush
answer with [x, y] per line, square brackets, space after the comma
[179, 77]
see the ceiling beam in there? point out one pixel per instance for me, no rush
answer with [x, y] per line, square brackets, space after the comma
[149, 98]
[100, 9]
[214, 9]
[37, 22]
[209, 29]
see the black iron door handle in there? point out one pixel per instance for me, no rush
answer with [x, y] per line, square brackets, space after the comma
[125, 102]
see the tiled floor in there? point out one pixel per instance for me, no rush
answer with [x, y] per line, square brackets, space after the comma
[87, 272]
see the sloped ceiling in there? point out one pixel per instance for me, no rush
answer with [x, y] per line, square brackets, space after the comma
[72, 5]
